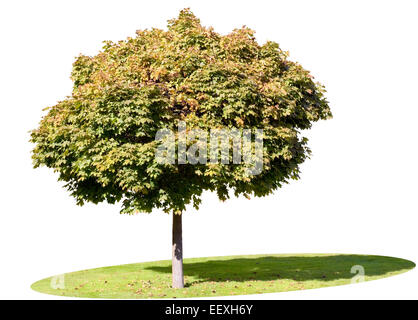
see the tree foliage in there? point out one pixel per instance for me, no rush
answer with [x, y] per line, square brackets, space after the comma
[101, 139]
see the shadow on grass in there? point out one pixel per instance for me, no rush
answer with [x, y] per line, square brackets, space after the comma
[298, 268]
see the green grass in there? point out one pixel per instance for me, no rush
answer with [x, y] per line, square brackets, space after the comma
[224, 276]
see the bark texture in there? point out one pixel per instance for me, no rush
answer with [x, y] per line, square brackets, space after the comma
[177, 248]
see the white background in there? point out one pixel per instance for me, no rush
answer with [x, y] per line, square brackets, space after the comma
[356, 195]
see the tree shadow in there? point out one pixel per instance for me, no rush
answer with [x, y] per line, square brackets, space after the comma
[298, 268]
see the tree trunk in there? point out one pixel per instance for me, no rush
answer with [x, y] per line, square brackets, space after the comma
[177, 263]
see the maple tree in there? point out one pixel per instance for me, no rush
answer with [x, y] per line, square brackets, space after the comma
[101, 139]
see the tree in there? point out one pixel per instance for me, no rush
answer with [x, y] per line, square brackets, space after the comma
[102, 139]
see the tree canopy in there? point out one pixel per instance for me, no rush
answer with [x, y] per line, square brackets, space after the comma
[101, 139]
